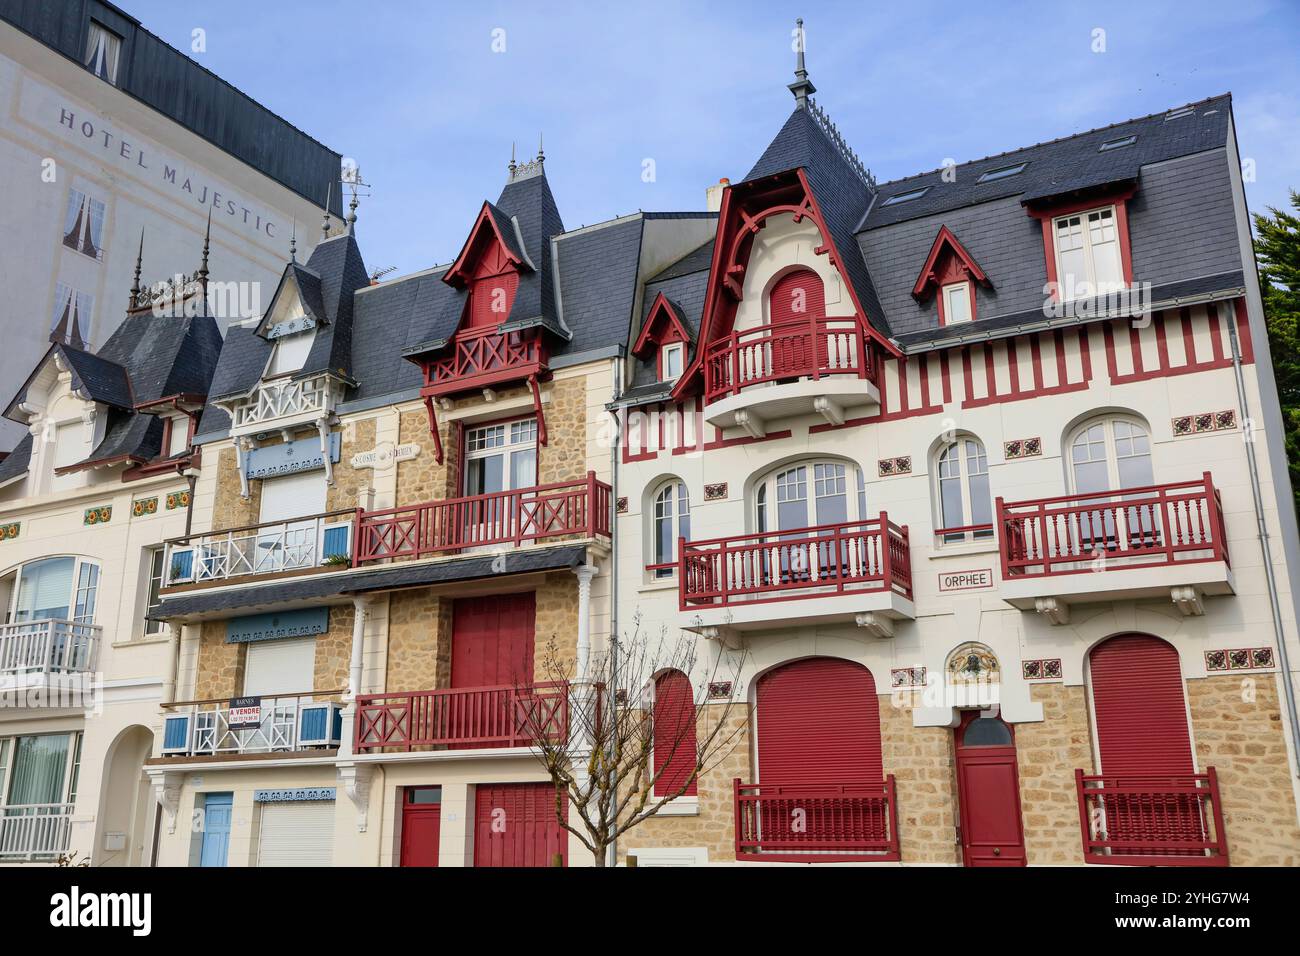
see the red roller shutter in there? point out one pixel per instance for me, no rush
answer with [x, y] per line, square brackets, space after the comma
[1138, 703]
[492, 640]
[515, 825]
[796, 295]
[818, 722]
[674, 730]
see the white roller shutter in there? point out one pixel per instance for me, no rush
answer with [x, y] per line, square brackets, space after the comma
[292, 496]
[296, 834]
[280, 667]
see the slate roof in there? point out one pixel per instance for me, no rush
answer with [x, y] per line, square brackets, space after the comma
[1061, 165]
[16, 461]
[101, 379]
[249, 599]
[684, 283]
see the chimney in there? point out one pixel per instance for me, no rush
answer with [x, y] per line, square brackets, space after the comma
[713, 195]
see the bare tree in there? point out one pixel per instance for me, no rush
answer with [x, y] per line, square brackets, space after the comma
[610, 770]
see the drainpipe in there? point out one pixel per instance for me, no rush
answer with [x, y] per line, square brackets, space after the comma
[1270, 579]
[615, 446]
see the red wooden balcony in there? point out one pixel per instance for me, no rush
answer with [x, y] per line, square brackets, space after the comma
[865, 563]
[486, 358]
[817, 822]
[1152, 820]
[520, 517]
[462, 718]
[816, 364]
[1142, 539]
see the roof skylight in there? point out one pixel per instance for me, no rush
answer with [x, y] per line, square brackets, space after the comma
[1180, 113]
[1002, 173]
[906, 197]
[1117, 143]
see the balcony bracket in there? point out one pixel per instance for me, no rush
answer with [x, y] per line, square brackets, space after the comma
[355, 780]
[167, 789]
[433, 429]
[877, 625]
[726, 636]
[830, 410]
[1188, 600]
[242, 448]
[537, 406]
[754, 426]
[1054, 610]
[489, 395]
[323, 429]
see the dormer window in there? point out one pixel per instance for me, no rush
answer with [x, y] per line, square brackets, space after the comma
[958, 303]
[290, 352]
[671, 362]
[103, 50]
[178, 436]
[1088, 259]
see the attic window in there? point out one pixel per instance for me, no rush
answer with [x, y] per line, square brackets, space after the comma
[1117, 143]
[1180, 113]
[670, 362]
[290, 352]
[906, 197]
[1002, 173]
[103, 49]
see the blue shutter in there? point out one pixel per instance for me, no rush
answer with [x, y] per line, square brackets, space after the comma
[176, 732]
[182, 568]
[336, 541]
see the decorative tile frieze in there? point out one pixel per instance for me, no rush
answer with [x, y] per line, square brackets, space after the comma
[100, 515]
[620, 506]
[1042, 669]
[1239, 659]
[9, 531]
[1022, 448]
[715, 491]
[178, 499]
[144, 506]
[720, 690]
[901, 465]
[907, 677]
[1204, 422]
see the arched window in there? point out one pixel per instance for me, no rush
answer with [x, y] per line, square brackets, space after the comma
[796, 295]
[962, 489]
[675, 748]
[670, 519]
[810, 494]
[51, 589]
[1110, 454]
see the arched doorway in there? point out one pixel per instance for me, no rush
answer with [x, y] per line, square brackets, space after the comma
[988, 791]
[122, 830]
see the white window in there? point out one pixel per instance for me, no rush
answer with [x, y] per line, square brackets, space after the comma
[178, 441]
[783, 502]
[280, 667]
[293, 496]
[672, 362]
[38, 771]
[154, 568]
[70, 445]
[965, 508]
[55, 589]
[1109, 454]
[103, 49]
[1088, 260]
[83, 224]
[73, 315]
[501, 457]
[956, 303]
[671, 519]
[290, 352]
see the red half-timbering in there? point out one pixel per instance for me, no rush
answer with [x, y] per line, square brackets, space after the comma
[744, 213]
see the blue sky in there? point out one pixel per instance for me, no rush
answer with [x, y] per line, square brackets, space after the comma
[417, 95]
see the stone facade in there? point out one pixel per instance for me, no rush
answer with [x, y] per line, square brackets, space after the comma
[556, 627]
[334, 650]
[350, 482]
[220, 672]
[1047, 754]
[230, 509]
[921, 760]
[421, 478]
[565, 456]
[419, 641]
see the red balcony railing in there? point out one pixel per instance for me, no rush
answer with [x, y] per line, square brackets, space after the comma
[808, 562]
[1127, 528]
[811, 347]
[1174, 820]
[508, 517]
[811, 822]
[463, 718]
[480, 359]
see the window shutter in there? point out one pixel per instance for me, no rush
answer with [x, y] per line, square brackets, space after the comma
[674, 733]
[797, 295]
[1141, 713]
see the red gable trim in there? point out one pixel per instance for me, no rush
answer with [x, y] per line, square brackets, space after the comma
[727, 271]
[1047, 211]
[676, 331]
[460, 272]
[946, 241]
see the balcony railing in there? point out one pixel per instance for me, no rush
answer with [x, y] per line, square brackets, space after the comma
[1171, 820]
[805, 348]
[37, 831]
[278, 723]
[48, 647]
[463, 718]
[1178, 523]
[855, 557]
[515, 517]
[817, 822]
[282, 398]
[486, 358]
[298, 545]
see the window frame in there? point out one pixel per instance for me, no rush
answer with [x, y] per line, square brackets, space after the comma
[765, 491]
[672, 348]
[944, 317]
[508, 447]
[71, 766]
[111, 58]
[155, 555]
[1111, 451]
[77, 590]
[657, 567]
[968, 532]
[1047, 215]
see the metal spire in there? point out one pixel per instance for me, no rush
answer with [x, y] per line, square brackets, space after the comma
[207, 239]
[293, 241]
[802, 87]
[139, 262]
[325, 220]
[541, 155]
[513, 165]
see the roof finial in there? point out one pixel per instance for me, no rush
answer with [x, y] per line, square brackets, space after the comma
[541, 155]
[325, 220]
[802, 87]
[139, 263]
[293, 241]
[207, 239]
[513, 165]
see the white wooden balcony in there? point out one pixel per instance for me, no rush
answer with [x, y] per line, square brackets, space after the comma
[280, 723]
[314, 543]
[34, 831]
[282, 403]
[31, 652]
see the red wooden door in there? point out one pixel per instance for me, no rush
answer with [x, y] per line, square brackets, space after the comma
[515, 825]
[818, 723]
[988, 788]
[492, 640]
[795, 300]
[1142, 736]
[421, 823]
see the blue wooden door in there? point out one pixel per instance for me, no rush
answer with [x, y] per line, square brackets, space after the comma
[216, 829]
